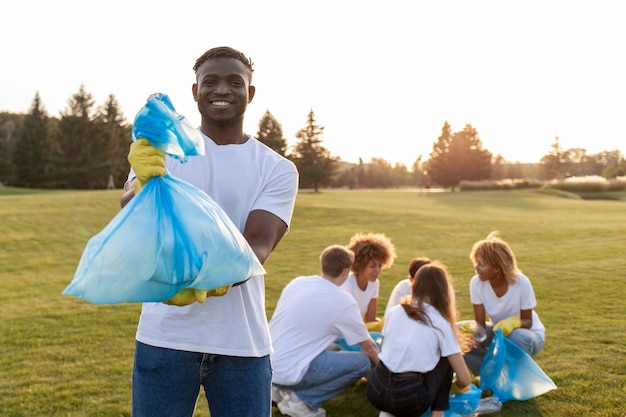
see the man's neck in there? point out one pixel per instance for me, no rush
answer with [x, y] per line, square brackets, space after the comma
[333, 280]
[225, 135]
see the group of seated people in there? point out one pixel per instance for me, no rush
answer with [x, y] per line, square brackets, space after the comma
[423, 356]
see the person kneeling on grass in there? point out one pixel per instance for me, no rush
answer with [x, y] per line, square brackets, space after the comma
[404, 288]
[311, 313]
[373, 252]
[420, 351]
[500, 292]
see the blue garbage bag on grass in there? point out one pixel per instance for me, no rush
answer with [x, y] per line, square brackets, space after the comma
[343, 345]
[169, 237]
[465, 403]
[512, 374]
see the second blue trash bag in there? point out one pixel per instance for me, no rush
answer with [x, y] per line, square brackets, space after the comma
[510, 373]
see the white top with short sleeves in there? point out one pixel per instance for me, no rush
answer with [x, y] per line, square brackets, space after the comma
[413, 346]
[519, 296]
[362, 297]
[240, 178]
[311, 313]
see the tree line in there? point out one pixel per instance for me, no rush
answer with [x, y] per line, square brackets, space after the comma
[87, 144]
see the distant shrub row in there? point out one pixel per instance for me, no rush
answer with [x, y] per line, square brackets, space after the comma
[586, 184]
[590, 184]
[507, 184]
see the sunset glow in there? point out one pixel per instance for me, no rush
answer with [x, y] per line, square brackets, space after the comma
[382, 78]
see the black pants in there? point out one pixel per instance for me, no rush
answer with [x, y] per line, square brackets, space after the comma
[410, 394]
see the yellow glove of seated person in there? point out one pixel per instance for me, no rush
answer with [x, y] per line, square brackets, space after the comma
[147, 162]
[376, 325]
[508, 325]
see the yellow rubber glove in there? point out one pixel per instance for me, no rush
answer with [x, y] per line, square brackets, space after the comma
[184, 297]
[375, 326]
[191, 295]
[147, 162]
[508, 325]
[218, 292]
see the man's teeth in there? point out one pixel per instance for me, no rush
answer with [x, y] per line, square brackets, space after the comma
[220, 103]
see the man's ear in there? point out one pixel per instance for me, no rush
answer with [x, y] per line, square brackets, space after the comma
[251, 91]
[194, 91]
[345, 273]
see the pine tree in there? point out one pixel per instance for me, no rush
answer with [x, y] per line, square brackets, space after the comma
[271, 133]
[553, 163]
[115, 141]
[316, 166]
[80, 142]
[8, 127]
[439, 163]
[32, 155]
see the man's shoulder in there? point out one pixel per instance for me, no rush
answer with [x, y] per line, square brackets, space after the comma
[302, 281]
[270, 157]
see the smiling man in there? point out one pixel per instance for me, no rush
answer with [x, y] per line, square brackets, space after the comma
[224, 342]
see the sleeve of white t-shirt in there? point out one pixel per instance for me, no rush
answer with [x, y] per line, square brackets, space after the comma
[475, 295]
[278, 196]
[448, 343]
[527, 294]
[351, 325]
[399, 291]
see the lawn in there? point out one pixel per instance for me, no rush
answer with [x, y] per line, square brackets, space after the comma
[62, 356]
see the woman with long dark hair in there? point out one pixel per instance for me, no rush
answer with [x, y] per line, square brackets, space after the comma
[421, 350]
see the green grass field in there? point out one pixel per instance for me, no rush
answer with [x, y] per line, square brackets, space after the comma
[61, 356]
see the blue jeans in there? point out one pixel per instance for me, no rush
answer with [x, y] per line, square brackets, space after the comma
[329, 374]
[166, 383]
[527, 340]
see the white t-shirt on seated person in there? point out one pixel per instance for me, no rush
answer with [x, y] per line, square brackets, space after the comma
[412, 346]
[401, 290]
[311, 313]
[518, 296]
[362, 297]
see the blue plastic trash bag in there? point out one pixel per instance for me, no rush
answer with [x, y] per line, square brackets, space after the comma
[461, 405]
[343, 345]
[169, 237]
[510, 373]
[165, 129]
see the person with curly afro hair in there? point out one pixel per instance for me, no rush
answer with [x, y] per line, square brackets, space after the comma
[373, 252]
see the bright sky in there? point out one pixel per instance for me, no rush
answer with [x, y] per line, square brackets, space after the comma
[381, 77]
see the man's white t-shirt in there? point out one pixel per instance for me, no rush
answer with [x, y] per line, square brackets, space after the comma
[362, 297]
[240, 178]
[519, 296]
[311, 313]
[412, 346]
